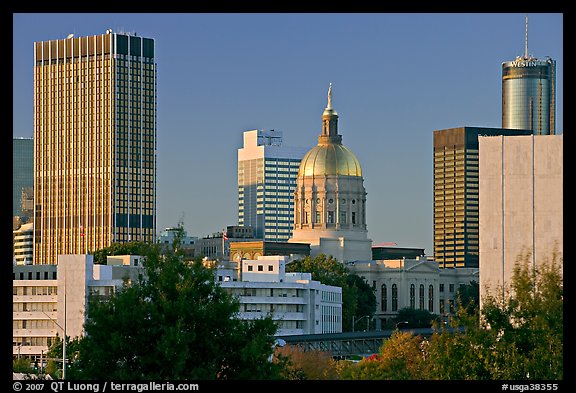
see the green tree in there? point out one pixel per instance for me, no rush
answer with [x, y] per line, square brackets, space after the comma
[125, 248]
[516, 336]
[415, 318]
[365, 297]
[530, 318]
[22, 365]
[358, 298]
[55, 354]
[468, 295]
[177, 323]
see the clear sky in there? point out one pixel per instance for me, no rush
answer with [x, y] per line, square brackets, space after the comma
[396, 78]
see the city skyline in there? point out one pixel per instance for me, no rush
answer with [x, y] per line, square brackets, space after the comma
[396, 78]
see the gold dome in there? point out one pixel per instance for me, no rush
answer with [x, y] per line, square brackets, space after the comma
[329, 159]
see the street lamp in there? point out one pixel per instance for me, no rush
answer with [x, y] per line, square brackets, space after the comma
[63, 343]
[359, 319]
[401, 323]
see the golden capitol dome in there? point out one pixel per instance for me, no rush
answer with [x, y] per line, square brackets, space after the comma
[329, 157]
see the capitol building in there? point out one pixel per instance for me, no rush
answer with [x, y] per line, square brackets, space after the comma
[330, 199]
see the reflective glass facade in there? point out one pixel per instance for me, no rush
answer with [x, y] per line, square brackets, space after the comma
[95, 143]
[528, 95]
[22, 171]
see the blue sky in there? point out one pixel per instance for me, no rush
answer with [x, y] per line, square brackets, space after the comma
[396, 78]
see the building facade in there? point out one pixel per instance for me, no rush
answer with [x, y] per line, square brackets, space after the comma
[50, 299]
[330, 198]
[456, 209]
[298, 304]
[258, 248]
[416, 283]
[267, 173]
[529, 93]
[521, 205]
[23, 248]
[94, 143]
[22, 172]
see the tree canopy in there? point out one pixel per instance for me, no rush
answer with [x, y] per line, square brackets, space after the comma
[358, 299]
[176, 323]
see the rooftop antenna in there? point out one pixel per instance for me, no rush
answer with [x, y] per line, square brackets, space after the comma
[526, 41]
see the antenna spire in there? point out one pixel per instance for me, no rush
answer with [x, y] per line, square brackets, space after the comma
[329, 106]
[526, 41]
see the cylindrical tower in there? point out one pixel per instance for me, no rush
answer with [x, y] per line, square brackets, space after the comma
[528, 95]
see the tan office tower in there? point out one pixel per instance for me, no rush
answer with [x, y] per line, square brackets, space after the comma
[94, 143]
[456, 228]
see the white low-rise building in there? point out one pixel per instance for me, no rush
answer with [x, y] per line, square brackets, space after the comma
[297, 303]
[48, 299]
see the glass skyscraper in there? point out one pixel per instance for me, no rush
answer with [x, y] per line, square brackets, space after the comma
[529, 93]
[22, 171]
[95, 143]
[267, 173]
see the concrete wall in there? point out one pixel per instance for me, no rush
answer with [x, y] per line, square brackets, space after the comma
[520, 204]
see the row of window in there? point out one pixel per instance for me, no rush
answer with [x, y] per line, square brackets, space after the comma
[421, 297]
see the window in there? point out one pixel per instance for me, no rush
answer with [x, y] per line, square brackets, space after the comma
[270, 268]
[394, 297]
[260, 268]
[330, 217]
[441, 288]
[384, 298]
[431, 298]
[451, 288]
[412, 296]
[318, 217]
[421, 303]
[353, 218]
[342, 217]
[250, 268]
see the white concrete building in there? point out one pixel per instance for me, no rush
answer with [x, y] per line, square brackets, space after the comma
[23, 239]
[48, 299]
[415, 283]
[521, 204]
[299, 304]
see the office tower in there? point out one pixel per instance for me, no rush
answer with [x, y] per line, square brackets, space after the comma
[522, 207]
[22, 171]
[95, 143]
[330, 198]
[267, 172]
[529, 93]
[456, 194]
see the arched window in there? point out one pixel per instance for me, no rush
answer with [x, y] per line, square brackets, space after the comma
[412, 296]
[384, 298]
[431, 298]
[421, 297]
[394, 297]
